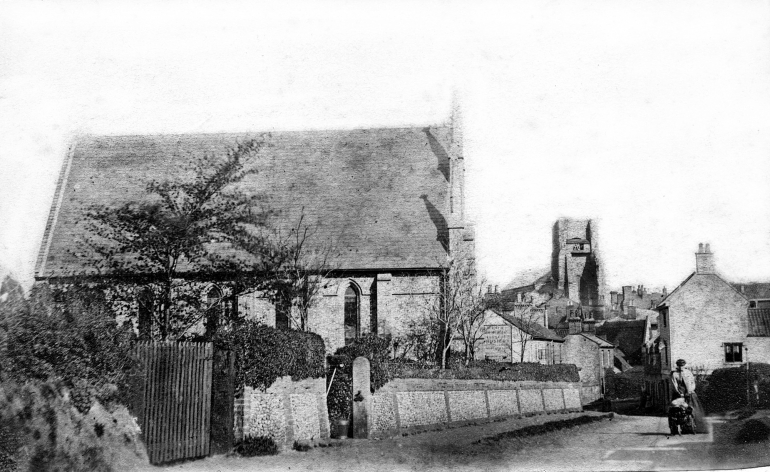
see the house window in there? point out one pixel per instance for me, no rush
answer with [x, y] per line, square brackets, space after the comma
[351, 315]
[733, 352]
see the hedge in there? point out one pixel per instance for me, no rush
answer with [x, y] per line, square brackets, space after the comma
[725, 389]
[263, 354]
[489, 370]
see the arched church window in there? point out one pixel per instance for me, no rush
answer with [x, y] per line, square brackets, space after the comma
[373, 308]
[351, 314]
[213, 309]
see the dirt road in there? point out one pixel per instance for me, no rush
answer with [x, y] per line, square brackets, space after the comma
[624, 443]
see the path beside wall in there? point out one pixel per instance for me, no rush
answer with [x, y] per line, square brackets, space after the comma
[288, 411]
[404, 405]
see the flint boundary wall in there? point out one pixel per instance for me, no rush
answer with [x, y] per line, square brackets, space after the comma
[407, 405]
[288, 411]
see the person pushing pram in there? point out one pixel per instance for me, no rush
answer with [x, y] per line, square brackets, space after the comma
[685, 413]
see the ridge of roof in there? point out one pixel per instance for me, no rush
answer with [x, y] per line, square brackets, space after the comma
[596, 339]
[87, 136]
[684, 282]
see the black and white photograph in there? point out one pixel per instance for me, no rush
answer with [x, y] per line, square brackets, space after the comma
[429, 235]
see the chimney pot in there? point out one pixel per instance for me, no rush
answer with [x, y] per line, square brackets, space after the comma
[489, 289]
[495, 288]
[704, 260]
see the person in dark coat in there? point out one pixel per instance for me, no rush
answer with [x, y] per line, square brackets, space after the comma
[684, 386]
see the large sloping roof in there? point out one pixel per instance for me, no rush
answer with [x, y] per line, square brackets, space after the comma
[376, 195]
[627, 335]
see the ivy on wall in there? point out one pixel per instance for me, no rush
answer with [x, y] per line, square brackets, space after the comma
[263, 354]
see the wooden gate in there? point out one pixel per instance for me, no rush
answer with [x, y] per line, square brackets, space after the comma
[173, 402]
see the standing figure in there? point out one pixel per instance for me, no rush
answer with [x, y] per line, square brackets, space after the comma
[684, 387]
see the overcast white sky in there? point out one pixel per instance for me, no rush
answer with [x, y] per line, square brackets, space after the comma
[651, 116]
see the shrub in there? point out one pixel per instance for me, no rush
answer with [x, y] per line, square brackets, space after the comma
[49, 433]
[264, 354]
[256, 446]
[69, 335]
[753, 431]
[625, 384]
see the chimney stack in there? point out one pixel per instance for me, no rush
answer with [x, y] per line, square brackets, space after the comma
[495, 288]
[704, 260]
[489, 289]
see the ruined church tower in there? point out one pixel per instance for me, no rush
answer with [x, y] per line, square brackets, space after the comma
[576, 263]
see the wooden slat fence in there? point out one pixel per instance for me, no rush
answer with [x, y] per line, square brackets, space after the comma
[174, 402]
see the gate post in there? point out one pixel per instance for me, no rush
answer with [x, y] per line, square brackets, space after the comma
[222, 402]
[361, 397]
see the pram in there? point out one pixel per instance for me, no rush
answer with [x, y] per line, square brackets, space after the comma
[680, 419]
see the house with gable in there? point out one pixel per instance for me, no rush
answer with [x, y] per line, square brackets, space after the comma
[518, 335]
[390, 200]
[709, 323]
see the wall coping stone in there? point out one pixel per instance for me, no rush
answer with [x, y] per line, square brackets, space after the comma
[412, 385]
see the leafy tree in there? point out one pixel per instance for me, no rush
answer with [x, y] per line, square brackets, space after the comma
[199, 223]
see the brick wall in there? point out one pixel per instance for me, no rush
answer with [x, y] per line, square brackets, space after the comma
[408, 404]
[288, 411]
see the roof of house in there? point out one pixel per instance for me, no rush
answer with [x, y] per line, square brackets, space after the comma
[754, 290]
[759, 321]
[537, 331]
[664, 301]
[377, 195]
[596, 339]
[626, 335]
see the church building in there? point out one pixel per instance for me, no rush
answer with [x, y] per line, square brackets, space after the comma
[390, 201]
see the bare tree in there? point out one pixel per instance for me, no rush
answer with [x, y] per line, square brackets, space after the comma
[459, 306]
[470, 326]
[527, 318]
[302, 274]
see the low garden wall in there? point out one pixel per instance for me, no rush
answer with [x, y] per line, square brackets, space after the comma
[286, 412]
[403, 405]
